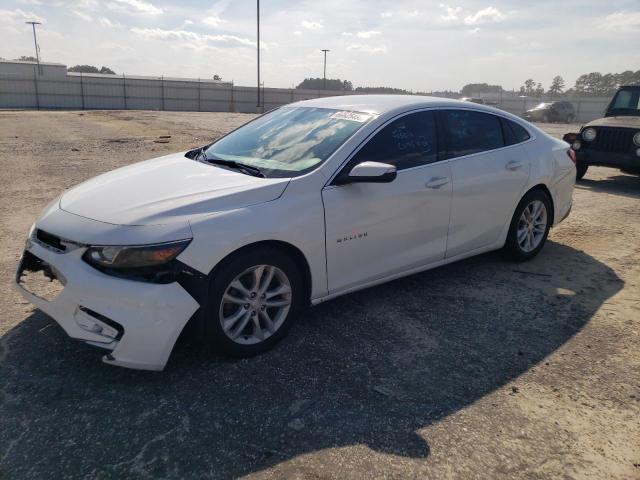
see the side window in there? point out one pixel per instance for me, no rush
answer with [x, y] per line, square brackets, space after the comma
[470, 132]
[409, 141]
[513, 133]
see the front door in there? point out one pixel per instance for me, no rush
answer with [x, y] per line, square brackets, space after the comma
[374, 230]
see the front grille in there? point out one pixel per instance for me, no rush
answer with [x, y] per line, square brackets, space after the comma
[50, 240]
[39, 278]
[612, 139]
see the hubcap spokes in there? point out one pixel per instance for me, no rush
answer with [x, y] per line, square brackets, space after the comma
[532, 226]
[255, 304]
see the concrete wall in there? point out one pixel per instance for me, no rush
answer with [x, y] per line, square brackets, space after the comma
[96, 91]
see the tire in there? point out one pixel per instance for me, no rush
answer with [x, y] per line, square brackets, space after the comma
[581, 170]
[518, 250]
[571, 118]
[221, 310]
[545, 118]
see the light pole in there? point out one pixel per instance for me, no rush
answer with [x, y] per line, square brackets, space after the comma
[258, 44]
[35, 42]
[324, 74]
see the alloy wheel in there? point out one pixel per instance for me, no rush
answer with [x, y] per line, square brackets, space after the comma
[532, 226]
[255, 304]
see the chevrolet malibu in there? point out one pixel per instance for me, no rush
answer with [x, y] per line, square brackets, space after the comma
[307, 202]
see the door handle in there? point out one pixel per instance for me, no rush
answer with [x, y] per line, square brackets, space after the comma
[437, 182]
[513, 165]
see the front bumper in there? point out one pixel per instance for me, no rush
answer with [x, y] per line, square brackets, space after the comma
[625, 160]
[138, 322]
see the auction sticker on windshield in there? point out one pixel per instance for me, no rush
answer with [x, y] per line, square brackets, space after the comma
[353, 116]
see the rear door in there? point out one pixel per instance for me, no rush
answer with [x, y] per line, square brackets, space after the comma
[488, 178]
[378, 229]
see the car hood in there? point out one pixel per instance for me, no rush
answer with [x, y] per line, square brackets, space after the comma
[620, 121]
[167, 189]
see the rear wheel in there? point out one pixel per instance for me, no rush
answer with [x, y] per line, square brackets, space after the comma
[253, 300]
[581, 170]
[571, 118]
[529, 226]
[545, 118]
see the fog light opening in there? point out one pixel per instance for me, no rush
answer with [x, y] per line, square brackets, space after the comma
[94, 322]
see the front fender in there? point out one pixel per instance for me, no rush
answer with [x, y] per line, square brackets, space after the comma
[299, 223]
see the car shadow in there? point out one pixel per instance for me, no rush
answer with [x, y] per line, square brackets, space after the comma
[371, 368]
[621, 184]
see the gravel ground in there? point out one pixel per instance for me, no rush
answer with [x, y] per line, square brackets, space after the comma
[480, 369]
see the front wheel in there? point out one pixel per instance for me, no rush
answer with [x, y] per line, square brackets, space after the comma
[529, 226]
[254, 298]
[581, 170]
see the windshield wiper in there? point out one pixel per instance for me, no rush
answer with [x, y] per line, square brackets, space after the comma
[247, 169]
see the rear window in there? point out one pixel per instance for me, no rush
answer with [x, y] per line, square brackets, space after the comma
[469, 132]
[513, 133]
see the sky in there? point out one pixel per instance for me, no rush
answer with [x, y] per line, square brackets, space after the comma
[411, 44]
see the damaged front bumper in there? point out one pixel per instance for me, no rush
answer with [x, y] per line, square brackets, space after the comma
[138, 322]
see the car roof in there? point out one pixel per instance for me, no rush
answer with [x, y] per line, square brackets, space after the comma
[380, 104]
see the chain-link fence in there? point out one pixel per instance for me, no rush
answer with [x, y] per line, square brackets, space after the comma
[95, 91]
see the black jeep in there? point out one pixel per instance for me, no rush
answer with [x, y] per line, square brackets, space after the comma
[612, 141]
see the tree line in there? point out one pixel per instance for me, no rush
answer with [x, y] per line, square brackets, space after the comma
[588, 84]
[347, 86]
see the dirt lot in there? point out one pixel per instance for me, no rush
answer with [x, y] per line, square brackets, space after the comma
[481, 369]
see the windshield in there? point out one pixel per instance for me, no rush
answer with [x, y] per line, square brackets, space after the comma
[541, 106]
[626, 102]
[289, 141]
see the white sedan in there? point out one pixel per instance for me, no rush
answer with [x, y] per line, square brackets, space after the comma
[307, 202]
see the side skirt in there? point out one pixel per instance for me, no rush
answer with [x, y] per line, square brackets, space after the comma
[495, 246]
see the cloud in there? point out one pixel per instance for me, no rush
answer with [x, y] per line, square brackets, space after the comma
[474, 30]
[161, 34]
[367, 48]
[84, 16]
[621, 21]
[486, 15]
[113, 46]
[105, 22]
[386, 14]
[196, 39]
[135, 6]
[367, 34]
[363, 34]
[212, 21]
[452, 14]
[90, 4]
[311, 25]
[17, 15]
[297, 33]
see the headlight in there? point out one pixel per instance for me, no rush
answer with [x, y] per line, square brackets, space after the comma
[589, 134]
[128, 257]
[636, 139]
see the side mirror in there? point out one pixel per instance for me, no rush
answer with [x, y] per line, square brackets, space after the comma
[369, 172]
